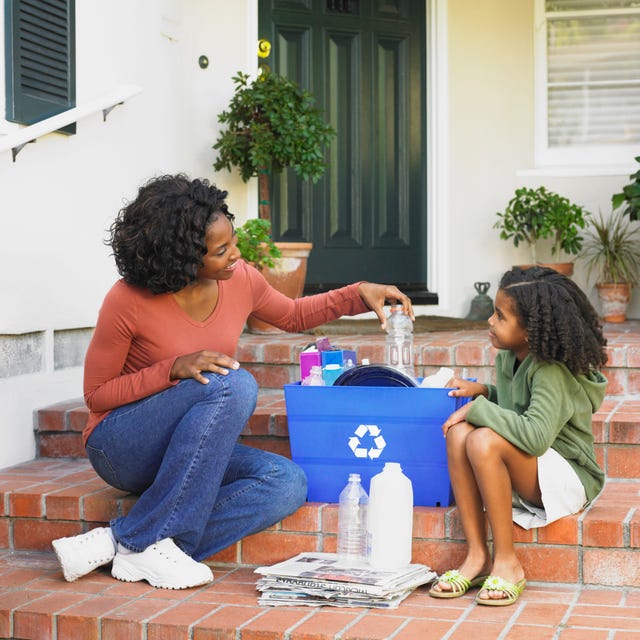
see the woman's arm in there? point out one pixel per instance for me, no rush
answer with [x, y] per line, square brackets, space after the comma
[106, 384]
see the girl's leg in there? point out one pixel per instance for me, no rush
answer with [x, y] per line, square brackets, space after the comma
[469, 505]
[173, 448]
[259, 488]
[499, 466]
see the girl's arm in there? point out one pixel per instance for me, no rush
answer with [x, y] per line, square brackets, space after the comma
[463, 388]
[550, 407]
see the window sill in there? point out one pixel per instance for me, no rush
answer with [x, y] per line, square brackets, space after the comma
[575, 171]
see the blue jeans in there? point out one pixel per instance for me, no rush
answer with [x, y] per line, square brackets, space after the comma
[178, 450]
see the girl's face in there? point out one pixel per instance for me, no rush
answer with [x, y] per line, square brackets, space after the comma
[222, 252]
[505, 327]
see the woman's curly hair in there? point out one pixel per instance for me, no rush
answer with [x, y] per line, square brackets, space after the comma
[561, 323]
[158, 239]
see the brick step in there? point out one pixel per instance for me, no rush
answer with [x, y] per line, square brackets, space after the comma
[273, 360]
[58, 427]
[48, 498]
[583, 571]
[36, 604]
[616, 429]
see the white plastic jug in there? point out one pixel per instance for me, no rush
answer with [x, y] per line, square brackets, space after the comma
[390, 518]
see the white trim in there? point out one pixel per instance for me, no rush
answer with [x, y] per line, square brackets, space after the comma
[438, 218]
[573, 171]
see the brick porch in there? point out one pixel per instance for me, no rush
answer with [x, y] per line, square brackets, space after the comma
[584, 571]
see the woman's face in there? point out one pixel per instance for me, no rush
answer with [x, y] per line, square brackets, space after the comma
[222, 252]
[505, 328]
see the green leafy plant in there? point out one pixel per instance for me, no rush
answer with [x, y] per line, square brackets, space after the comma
[271, 123]
[612, 249]
[535, 214]
[630, 196]
[255, 243]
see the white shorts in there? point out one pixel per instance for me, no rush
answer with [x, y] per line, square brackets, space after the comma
[562, 493]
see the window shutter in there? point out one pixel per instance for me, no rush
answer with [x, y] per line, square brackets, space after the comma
[593, 72]
[40, 36]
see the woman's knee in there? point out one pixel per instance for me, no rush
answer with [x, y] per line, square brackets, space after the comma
[244, 383]
[237, 389]
[289, 486]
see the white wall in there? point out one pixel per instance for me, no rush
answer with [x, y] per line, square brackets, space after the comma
[60, 196]
[491, 145]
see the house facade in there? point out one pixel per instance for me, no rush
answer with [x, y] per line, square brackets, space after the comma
[165, 66]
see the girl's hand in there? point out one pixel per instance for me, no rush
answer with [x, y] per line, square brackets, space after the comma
[192, 365]
[466, 388]
[459, 415]
[375, 295]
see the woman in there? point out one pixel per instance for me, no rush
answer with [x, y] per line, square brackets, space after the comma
[167, 398]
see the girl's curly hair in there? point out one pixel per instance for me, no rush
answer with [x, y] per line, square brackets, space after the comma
[158, 240]
[561, 323]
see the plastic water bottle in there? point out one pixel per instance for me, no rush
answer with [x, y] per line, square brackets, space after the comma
[352, 523]
[399, 342]
[390, 518]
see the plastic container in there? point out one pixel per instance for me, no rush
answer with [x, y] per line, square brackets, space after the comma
[352, 523]
[399, 342]
[335, 431]
[331, 372]
[390, 518]
[314, 379]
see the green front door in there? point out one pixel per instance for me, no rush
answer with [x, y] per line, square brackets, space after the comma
[364, 61]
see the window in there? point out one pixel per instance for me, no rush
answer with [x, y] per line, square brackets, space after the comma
[588, 84]
[40, 59]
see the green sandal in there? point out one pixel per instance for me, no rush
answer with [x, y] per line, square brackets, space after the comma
[495, 583]
[459, 584]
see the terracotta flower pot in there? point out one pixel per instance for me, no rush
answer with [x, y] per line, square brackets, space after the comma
[565, 268]
[614, 300]
[287, 276]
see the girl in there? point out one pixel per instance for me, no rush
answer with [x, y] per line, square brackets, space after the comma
[167, 398]
[527, 439]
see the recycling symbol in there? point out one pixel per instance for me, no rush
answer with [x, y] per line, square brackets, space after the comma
[355, 443]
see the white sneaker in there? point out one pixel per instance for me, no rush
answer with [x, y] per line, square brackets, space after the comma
[162, 564]
[78, 555]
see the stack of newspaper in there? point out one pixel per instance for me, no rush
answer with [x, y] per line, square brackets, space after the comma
[316, 579]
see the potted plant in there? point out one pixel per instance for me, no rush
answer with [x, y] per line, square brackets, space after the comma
[630, 196]
[256, 244]
[537, 214]
[612, 250]
[271, 123]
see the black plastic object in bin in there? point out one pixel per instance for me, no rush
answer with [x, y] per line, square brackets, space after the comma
[374, 375]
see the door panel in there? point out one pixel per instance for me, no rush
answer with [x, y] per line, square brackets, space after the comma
[364, 63]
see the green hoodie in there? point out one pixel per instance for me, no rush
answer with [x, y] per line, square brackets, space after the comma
[544, 405]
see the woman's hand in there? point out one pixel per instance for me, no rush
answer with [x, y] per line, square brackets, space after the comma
[193, 364]
[467, 388]
[374, 296]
